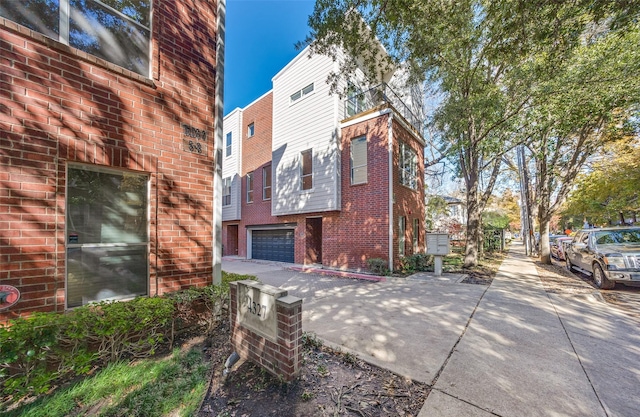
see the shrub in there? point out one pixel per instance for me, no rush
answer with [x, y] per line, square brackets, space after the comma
[378, 266]
[37, 351]
[415, 263]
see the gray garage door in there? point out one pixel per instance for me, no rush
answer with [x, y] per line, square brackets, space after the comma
[273, 245]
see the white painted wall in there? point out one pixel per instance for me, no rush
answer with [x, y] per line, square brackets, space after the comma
[308, 123]
[232, 164]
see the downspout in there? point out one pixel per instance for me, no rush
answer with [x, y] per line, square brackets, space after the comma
[390, 151]
[217, 146]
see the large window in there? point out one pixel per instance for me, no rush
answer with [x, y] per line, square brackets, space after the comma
[408, 166]
[228, 144]
[250, 187]
[117, 31]
[226, 191]
[266, 183]
[306, 171]
[359, 160]
[107, 235]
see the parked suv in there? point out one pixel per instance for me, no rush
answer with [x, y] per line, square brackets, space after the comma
[610, 255]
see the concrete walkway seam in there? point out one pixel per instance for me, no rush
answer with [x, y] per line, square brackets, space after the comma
[604, 408]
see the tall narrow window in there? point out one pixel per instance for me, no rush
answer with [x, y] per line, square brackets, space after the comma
[250, 187]
[359, 160]
[266, 183]
[307, 169]
[251, 130]
[402, 231]
[228, 147]
[355, 100]
[408, 166]
[107, 235]
[226, 191]
[416, 234]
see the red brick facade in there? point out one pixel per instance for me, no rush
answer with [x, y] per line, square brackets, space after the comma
[59, 105]
[360, 230]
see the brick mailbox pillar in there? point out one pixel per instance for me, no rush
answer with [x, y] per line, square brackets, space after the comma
[266, 327]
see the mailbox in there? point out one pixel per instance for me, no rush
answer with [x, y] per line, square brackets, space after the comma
[438, 244]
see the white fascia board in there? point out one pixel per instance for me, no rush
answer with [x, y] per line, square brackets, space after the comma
[366, 117]
[302, 54]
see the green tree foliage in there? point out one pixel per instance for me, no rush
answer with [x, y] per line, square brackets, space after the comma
[435, 208]
[585, 104]
[610, 187]
[486, 58]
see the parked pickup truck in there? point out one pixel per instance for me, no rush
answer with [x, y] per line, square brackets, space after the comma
[610, 255]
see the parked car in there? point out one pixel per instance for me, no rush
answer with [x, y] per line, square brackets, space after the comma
[558, 247]
[610, 255]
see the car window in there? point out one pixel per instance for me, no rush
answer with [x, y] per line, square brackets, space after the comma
[583, 238]
[617, 237]
[607, 238]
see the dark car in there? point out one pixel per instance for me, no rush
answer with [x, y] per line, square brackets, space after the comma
[610, 255]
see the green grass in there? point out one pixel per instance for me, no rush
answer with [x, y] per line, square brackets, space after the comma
[153, 387]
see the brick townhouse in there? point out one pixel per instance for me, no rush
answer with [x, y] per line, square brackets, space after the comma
[107, 127]
[311, 178]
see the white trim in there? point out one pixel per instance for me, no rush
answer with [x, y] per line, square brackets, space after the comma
[391, 220]
[366, 117]
[218, 138]
[291, 63]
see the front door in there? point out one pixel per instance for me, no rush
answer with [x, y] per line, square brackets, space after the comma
[313, 252]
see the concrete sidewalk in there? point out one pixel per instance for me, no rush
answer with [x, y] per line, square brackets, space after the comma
[507, 350]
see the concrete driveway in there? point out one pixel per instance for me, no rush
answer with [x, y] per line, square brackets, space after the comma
[509, 349]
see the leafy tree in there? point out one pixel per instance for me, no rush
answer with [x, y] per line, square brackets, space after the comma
[608, 192]
[479, 54]
[435, 208]
[574, 113]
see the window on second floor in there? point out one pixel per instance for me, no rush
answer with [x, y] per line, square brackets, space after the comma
[359, 160]
[228, 147]
[251, 130]
[301, 93]
[306, 169]
[250, 187]
[116, 31]
[266, 183]
[226, 191]
[408, 166]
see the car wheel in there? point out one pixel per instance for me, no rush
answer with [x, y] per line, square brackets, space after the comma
[569, 264]
[600, 279]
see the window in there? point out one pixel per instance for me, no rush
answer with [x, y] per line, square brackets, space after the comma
[229, 141]
[408, 166]
[307, 169]
[355, 100]
[114, 30]
[250, 130]
[301, 93]
[250, 187]
[402, 231]
[107, 235]
[416, 231]
[266, 183]
[226, 191]
[359, 160]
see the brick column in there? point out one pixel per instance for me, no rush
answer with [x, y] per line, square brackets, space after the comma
[280, 357]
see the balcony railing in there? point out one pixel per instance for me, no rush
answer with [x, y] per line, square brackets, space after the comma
[376, 96]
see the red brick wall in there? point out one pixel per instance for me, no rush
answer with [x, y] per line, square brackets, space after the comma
[60, 105]
[407, 202]
[360, 232]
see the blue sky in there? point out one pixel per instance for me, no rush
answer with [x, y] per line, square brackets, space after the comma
[260, 41]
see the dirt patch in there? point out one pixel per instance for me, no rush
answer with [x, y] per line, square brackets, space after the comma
[485, 271]
[331, 383]
[558, 280]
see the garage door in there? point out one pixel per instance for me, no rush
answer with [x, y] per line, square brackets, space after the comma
[273, 245]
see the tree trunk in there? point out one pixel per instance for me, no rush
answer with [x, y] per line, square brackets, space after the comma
[544, 249]
[473, 230]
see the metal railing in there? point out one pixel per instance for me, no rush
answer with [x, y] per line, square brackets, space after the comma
[376, 96]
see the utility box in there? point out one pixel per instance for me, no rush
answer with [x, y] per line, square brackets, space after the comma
[438, 246]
